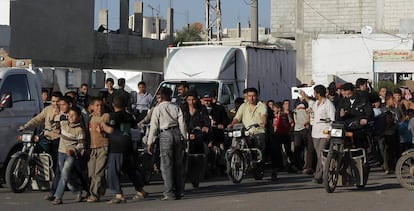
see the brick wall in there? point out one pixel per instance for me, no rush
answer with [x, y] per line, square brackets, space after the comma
[396, 10]
[333, 16]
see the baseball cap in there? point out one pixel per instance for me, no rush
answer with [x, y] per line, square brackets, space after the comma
[206, 97]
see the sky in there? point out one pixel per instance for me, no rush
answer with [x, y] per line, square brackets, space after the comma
[190, 11]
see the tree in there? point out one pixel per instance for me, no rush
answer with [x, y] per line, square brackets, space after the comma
[189, 34]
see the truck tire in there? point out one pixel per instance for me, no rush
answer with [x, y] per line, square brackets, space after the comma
[18, 174]
[331, 172]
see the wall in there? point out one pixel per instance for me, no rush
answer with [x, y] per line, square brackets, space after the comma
[394, 11]
[283, 18]
[306, 20]
[118, 51]
[53, 32]
[349, 57]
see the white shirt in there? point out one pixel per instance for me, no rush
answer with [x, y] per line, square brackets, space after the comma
[323, 111]
[143, 101]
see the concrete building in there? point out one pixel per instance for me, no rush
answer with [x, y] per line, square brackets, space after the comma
[61, 33]
[307, 21]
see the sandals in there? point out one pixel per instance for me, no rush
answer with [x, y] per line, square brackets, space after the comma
[140, 195]
[116, 201]
[92, 199]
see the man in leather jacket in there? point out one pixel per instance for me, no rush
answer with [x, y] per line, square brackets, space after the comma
[354, 107]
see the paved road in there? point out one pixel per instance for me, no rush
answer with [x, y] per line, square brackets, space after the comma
[290, 192]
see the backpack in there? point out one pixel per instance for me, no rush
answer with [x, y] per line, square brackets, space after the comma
[282, 124]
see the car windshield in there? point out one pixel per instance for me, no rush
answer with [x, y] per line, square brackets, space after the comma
[201, 88]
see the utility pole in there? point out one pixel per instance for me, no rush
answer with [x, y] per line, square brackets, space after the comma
[255, 18]
[211, 23]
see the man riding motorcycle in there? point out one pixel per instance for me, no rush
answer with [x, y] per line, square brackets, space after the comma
[354, 107]
[250, 113]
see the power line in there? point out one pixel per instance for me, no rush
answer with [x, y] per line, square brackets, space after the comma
[324, 17]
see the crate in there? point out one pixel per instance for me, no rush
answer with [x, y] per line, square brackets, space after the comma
[358, 156]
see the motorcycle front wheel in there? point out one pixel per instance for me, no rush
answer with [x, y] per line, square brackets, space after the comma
[236, 167]
[404, 171]
[331, 172]
[18, 174]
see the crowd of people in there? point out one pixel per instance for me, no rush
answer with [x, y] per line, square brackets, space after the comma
[89, 138]
[385, 119]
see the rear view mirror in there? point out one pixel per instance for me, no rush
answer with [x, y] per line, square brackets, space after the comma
[6, 101]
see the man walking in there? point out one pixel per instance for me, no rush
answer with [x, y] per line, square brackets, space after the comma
[167, 118]
[323, 109]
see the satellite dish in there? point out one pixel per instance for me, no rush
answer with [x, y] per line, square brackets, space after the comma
[366, 31]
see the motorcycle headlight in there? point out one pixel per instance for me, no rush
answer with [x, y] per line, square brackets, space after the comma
[246, 133]
[230, 134]
[336, 132]
[237, 133]
[26, 137]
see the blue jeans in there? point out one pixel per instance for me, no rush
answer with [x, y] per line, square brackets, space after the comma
[114, 166]
[66, 163]
[172, 155]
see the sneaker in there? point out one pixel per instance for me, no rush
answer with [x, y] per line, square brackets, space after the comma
[57, 201]
[166, 198]
[49, 197]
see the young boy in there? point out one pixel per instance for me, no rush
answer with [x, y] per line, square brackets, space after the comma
[71, 144]
[98, 130]
[120, 157]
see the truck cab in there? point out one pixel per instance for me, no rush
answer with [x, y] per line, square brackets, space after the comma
[228, 70]
[206, 69]
[21, 94]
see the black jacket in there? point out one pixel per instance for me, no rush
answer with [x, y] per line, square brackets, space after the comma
[199, 119]
[219, 115]
[361, 108]
[120, 139]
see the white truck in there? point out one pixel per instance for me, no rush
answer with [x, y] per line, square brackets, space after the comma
[21, 99]
[132, 77]
[228, 70]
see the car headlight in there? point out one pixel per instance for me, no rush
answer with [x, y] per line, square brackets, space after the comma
[26, 137]
[237, 133]
[336, 132]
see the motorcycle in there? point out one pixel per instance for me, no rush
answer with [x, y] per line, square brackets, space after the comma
[30, 167]
[148, 164]
[240, 157]
[404, 169]
[343, 165]
[195, 156]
